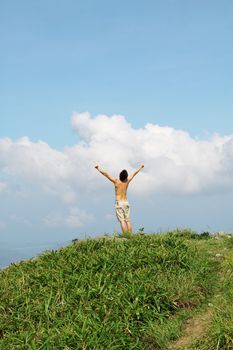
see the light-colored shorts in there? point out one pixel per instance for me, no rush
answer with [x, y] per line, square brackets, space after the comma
[122, 211]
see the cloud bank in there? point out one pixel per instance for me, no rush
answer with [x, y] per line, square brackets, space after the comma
[174, 161]
[45, 190]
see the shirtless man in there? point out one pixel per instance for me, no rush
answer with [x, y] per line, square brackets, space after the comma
[122, 205]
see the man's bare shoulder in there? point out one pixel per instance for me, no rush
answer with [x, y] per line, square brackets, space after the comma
[117, 182]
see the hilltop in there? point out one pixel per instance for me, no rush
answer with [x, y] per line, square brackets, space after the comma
[166, 291]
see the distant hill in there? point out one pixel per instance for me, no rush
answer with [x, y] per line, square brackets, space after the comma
[114, 293]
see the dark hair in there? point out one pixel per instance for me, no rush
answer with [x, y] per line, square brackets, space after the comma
[123, 175]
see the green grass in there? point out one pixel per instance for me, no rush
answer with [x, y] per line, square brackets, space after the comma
[118, 294]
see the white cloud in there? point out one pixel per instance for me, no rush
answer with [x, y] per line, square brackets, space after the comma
[37, 164]
[75, 218]
[63, 187]
[174, 161]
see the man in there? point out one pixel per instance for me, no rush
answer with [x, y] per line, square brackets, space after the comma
[122, 205]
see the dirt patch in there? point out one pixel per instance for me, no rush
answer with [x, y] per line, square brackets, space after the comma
[193, 329]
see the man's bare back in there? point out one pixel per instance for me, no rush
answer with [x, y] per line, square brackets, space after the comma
[122, 205]
[121, 190]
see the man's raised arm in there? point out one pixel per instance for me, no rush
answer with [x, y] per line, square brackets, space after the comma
[135, 173]
[111, 178]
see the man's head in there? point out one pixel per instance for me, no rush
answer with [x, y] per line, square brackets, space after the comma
[123, 175]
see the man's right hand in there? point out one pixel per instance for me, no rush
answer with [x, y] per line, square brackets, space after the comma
[142, 165]
[97, 166]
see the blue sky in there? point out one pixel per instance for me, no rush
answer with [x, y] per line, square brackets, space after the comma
[167, 63]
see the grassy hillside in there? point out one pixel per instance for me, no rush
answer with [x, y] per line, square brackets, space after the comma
[121, 294]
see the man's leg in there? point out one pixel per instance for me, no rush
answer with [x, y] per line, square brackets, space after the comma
[129, 225]
[127, 219]
[124, 226]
